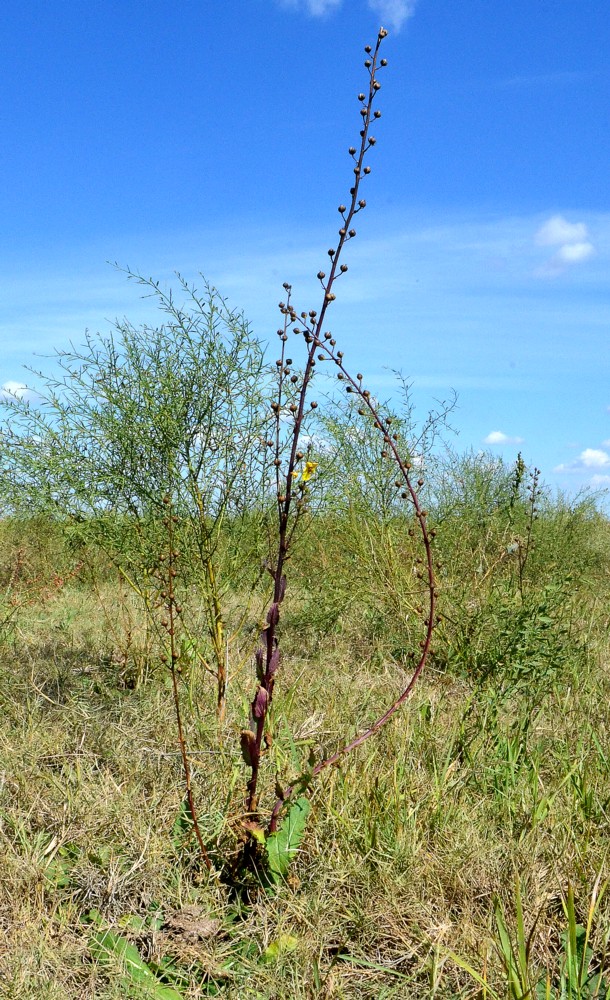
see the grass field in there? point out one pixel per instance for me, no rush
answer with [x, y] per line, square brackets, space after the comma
[462, 851]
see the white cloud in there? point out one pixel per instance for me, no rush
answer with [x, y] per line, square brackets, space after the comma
[571, 253]
[12, 390]
[557, 231]
[594, 458]
[572, 240]
[499, 437]
[598, 480]
[317, 8]
[590, 458]
[393, 13]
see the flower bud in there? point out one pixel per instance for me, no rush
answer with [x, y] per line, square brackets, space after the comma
[343, 268]
[341, 209]
[321, 275]
[352, 150]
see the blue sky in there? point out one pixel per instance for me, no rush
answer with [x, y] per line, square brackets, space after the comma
[202, 136]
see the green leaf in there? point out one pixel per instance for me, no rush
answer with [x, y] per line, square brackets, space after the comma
[285, 943]
[282, 846]
[108, 947]
[183, 825]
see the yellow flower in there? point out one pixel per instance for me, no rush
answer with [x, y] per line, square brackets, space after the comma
[309, 471]
[294, 474]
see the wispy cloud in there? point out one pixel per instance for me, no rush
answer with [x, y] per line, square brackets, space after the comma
[572, 242]
[317, 8]
[499, 437]
[393, 13]
[558, 230]
[560, 78]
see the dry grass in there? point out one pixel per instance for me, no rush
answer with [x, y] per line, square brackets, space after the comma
[408, 844]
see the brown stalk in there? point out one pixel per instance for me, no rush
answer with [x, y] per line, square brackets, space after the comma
[268, 655]
[390, 446]
[173, 612]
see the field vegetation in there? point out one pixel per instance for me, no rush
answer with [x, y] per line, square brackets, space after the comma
[297, 700]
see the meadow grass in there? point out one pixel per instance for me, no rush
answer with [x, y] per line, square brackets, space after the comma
[492, 784]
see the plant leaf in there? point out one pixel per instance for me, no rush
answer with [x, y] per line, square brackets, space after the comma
[107, 946]
[285, 943]
[183, 824]
[282, 846]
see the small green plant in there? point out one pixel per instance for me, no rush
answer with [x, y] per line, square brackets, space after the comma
[578, 973]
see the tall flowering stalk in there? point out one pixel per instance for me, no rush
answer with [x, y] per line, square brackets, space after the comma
[292, 485]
